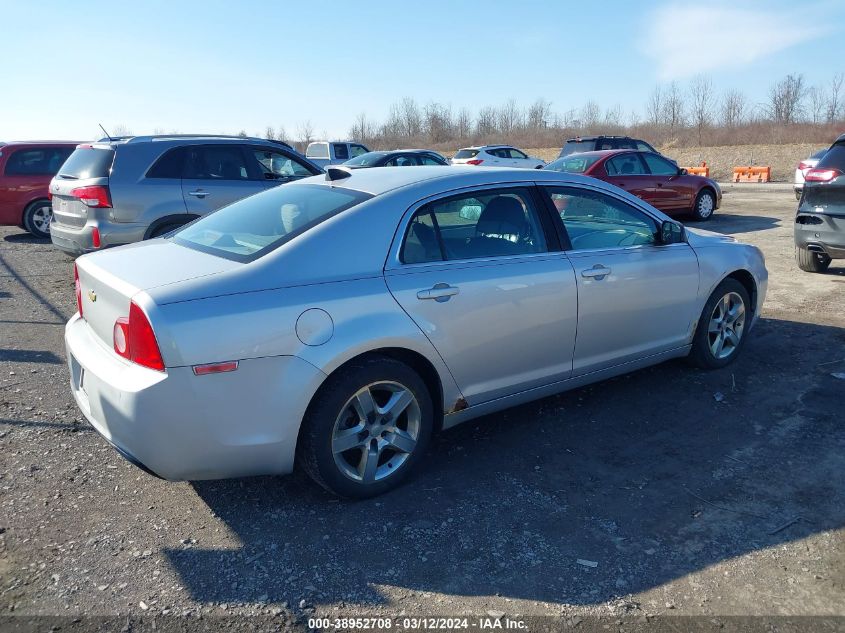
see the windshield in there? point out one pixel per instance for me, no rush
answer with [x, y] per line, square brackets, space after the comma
[370, 158]
[254, 226]
[572, 147]
[574, 164]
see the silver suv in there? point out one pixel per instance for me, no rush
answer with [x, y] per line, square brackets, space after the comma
[118, 191]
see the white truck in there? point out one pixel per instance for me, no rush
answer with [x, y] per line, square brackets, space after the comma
[325, 153]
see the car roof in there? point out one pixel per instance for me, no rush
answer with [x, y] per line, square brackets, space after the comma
[605, 152]
[577, 139]
[380, 181]
[12, 144]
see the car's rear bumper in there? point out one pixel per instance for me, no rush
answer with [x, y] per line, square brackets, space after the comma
[821, 232]
[79, 240]
[180, 426]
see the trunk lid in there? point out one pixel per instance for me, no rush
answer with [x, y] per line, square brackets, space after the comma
[109, 279]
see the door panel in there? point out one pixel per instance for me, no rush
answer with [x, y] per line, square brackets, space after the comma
[628, 172]
[501, 326]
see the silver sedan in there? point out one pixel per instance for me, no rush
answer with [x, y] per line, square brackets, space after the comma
[338, 322]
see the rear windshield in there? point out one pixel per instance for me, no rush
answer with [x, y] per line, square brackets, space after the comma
[317, 150]
[466, 153]
[574, 164]
[369, 158]
[572, 147]
[819, 153]
[254, 226]
[88, 162]
[834, 157]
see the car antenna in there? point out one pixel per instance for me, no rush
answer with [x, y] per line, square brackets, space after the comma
[108, 136]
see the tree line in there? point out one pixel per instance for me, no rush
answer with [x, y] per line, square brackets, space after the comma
[674, 114]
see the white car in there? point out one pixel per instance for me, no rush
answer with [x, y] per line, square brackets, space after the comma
[496, 156]
[803, 167]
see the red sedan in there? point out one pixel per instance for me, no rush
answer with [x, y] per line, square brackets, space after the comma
[649, 176]
[26, 170]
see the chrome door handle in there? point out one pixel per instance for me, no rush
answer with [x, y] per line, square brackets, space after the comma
[439, 292]
[199, 193]
[597, 272]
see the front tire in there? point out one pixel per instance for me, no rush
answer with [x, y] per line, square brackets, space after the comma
[705, 205]
[36, 218]
[367, 428]
[811, 262]
[720, 335]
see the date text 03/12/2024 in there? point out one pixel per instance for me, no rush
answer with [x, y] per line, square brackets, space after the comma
[483, 623]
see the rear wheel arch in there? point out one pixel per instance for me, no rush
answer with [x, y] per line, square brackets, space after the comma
[176, 219]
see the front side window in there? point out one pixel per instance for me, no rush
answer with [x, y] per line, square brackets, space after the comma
[625, 165]
[659, 166]
[515, 153]
[254, 226]
[403, 160]
[216, 162]
[278, 166]
[427, 159]
[595, 220]
[491, 223]
[341, 151]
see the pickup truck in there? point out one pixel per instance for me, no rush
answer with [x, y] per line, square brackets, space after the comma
[325, 153]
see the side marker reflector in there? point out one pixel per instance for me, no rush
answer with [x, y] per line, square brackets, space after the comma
[215, 368]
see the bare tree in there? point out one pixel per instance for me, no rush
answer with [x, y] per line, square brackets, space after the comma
[733, 108]
[282, 134]
[654, 107]
[701, 104]
[270, 133]
[243, 134]
[121, 129]
[509, 117]
[463, 123]
[786, 99]
[305, 132]
[590, 115]
[834, 98]
[613, 116]
[539, 114]
[361, 129]
[817, 103]
[485, 123]
[411, 119]
[438, 122]
[158, 131]
[673, 107]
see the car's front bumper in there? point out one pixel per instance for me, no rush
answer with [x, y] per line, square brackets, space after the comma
[821, 232]
[180, 426]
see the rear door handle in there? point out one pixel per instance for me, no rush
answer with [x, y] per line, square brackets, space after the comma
[439, 292]
[597, 272]
[199, 193]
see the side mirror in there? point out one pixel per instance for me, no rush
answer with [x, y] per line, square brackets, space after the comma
[682, 172]
[671, 232]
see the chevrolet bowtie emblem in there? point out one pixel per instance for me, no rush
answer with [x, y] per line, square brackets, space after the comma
[92, 295]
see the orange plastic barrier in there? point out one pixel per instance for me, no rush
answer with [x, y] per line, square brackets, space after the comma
[752, 174]
[704, 170]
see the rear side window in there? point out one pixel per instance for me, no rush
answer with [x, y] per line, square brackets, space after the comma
[216, 162]
[466, 153]
[625, 165]
[88, 162]
[170, 165]
[341, 151]
[317, 150]
[478, 225]
[37, 162]
[834, 157]
[254, 226]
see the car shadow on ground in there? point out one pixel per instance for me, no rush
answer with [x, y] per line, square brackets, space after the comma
[646, 478]
[730, 224]
[26, 238]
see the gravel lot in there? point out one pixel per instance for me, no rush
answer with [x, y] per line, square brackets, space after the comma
[669, 491]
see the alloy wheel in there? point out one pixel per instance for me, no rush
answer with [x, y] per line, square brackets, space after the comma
[376, 431]
[726, 325]
[41, 218]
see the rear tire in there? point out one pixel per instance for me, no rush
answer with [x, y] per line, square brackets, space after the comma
[722, 326]
[36, 218]
[353, 409]
[811, 262]
[705, 205]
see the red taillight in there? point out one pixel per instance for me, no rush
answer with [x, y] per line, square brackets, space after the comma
[96, 196]
[135, 340]
[50, 195]
[822, 175]
[78, 287]
[95, 237]
[475, 161]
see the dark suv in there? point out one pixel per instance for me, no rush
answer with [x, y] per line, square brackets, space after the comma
[118, 191]
[820, 220]
[593, 143]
